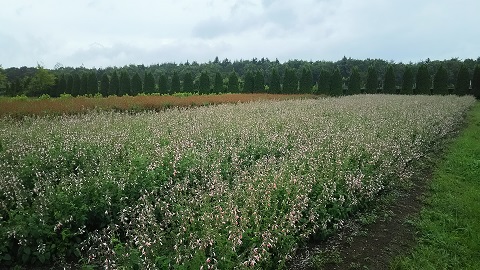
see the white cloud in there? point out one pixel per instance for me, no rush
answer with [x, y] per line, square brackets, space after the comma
[104, 33]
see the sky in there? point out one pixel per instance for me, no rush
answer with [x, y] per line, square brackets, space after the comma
[102, 33]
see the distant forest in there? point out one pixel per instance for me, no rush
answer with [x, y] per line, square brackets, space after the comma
[346, 76]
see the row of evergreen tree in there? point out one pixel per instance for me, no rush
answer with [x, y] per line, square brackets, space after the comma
[412, 80]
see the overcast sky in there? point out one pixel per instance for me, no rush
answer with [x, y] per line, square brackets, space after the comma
[101, 33]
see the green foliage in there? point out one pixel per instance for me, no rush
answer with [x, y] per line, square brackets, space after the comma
[218, 83]
[275, 86]
[83, 84]
[249, 82]
[233, 82]
[259, 82]
[137, 85]
[163, 84]
[105, 85]
[423, 81]
[355, 82]
[389, 85]
[42, 82]
[290, 81]
[149, 83]
[3, 78]
[73, 84]
[125, 84]
[114, 84]
[476, 82]
[371, 84]
[204, 83]
[336, 83]
[462, 85]
[324, 82]
[188, 83]
[440, 81]
[92, 83]
[407, 81]
[306, 81]
[61, 85]
[175, 83]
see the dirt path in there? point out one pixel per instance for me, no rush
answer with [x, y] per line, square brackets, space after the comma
[371, 246]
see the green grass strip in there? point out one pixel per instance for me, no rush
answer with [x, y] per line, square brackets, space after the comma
[449, 223]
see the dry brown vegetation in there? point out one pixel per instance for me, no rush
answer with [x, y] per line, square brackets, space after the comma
[74, 105]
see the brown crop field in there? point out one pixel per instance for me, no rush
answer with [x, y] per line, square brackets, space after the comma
[74, 105]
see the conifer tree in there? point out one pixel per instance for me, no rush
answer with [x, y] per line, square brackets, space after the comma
[163, 84]
[175, 83]
[259, 82]
[114, 84]
[218, 84]
[290, 81]
[355, 82]
[440, 81]
[188, 83]
[204, 83]
[62, 85]
[105, 85]
[476, 82]
[462, 85]
[324, 82]
[423, 81]
[149, 83]
[92, 83]
[407, 81]
[249, 82]
[69, 86]
[137, 86]
[125, 83]
[83, 84]
[233, 82]
[336, 83]
[306, 81]
[275, 84]
[372, 80]
[389, 85]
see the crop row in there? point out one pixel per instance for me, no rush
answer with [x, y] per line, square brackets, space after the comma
[211, 187]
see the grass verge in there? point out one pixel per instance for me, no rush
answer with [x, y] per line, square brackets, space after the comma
[449, 224]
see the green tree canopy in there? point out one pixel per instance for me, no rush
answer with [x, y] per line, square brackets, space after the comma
[355, 82]
[306, 81]
[275, 84]
[233, 82]
[137, 85]
[125, 83]
[423, 81]
[3, 78]
[249, 82]
[42, 81]
[407, 81]
[83, 84]
[149, 83]
[290, 81]
[62, 85]
[163, 84]
[259, 82]
[476, 82]
[324, 82]
[114, 84]
[105, 85]
[188, 83]
[204, 83]
[389, 84]
[462, 85]
[218, 84]
[440, 81]
[175, 83]
[92, 83]
[336, 83]
[371, 84]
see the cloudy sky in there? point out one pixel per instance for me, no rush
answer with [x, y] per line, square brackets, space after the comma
[101, 33]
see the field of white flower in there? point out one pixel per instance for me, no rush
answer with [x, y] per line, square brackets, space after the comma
[211, 187]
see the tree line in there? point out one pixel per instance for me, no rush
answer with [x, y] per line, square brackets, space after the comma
[347, 76]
